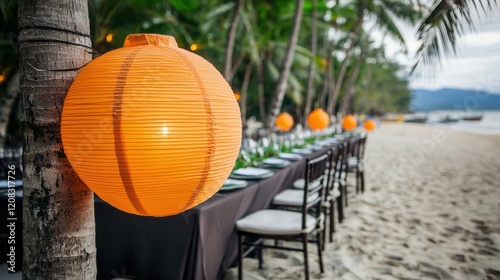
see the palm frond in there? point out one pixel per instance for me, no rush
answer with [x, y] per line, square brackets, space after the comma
[445, 23]
[403, 10]
[386, 22]
[9, 10]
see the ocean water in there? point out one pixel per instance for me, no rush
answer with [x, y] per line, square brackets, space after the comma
[489, 125]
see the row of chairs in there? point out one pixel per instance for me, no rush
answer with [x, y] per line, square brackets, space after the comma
[302, 212]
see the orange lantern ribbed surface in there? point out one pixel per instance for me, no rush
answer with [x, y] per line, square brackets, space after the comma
[284, 122]
[151, 128]
[318, 119]
[349, 122]
[370, 125]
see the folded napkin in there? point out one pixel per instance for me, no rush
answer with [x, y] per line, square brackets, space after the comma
[233, 182]
[274, 161]
[314, 147]
[301, 151]
[289, 156]
[251, 171]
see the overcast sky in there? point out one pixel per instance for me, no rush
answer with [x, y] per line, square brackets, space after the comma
[477, 65]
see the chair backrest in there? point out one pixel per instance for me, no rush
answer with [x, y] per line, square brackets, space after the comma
[315, 177]
[337, 161]
[344, 157]
[361, 147]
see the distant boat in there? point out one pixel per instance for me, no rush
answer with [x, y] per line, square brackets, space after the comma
[416, 119]
[451, 119]
[472, 118]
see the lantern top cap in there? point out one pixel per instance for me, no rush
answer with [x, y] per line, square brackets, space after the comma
[142, 39]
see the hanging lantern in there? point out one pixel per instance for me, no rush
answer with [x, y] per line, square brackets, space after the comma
[284, 122]
[151, 128]
[370, 124]
[318, 119]
[349, 122]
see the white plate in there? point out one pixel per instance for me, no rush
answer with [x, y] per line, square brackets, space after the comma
[314, 148]
[251, 173]
[302, 151]
[231, 184]
[275, 161]
[289, 156]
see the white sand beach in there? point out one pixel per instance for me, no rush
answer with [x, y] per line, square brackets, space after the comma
[431, 210]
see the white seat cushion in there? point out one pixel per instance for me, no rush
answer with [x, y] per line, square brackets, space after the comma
[336, 193]
[352, 162]
[275, 222]
[293, 197]
[300, 183]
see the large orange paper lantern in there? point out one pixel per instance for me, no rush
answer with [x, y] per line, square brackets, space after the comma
[151, 128]
[349, 122]
[318, 119]
[284, 122]
[370, 124]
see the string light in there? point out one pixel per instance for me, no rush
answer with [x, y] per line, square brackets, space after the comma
[109, 38]
[193, 47]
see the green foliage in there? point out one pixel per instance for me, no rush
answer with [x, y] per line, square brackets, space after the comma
[382, 88]
[262, 33]
[8, 44]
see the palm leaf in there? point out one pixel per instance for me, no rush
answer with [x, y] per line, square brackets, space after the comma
[442, 26]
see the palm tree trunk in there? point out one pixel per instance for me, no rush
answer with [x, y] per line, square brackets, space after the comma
[310, 78]
[7, 103]
[260, 87]
[352, 83]
[327, 80]
[244, 93]
[287, 65]
[343, 67]
[231, 35]
[58, 209]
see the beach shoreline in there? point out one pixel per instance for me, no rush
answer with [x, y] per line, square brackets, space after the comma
[431, 210]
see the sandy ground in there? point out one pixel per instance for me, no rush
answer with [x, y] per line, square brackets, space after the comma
[431, 211]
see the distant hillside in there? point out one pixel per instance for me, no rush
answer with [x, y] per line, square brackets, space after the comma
[453, 99]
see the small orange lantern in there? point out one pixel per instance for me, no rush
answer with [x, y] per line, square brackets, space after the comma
[151, 128]
[284, 122]
[370, 124]
[318, 119]
[349, 122]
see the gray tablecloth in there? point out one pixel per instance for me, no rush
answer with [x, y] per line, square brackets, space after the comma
[198, 244]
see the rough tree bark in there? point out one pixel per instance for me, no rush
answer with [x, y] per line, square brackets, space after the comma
[7, 103]
[310, 78]
[231, 35]
[279, 93]
[58, 210]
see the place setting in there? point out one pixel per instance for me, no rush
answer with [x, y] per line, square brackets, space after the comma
[232, 184]
[289, 156]
[251, 173]
[275, 162]
[302, 151]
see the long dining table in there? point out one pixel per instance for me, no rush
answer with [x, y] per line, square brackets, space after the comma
[200, 243]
